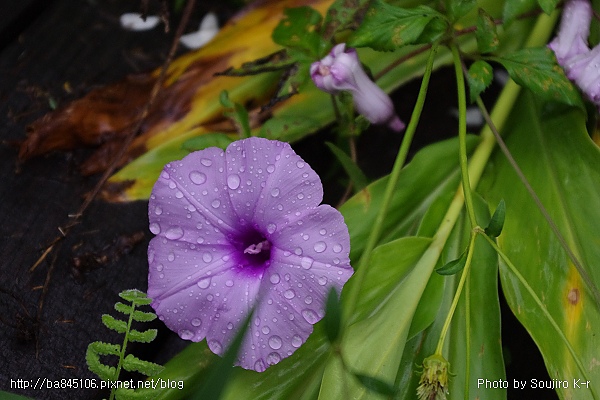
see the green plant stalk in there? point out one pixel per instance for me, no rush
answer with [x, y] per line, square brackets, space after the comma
[463, 277]
[393, 180]
[468, 334]
[462, 134]
[537, 300]
[123, 348]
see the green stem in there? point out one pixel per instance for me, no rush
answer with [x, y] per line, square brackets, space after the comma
[461, 284]
[123, 349]
[539, 303]
[391, 186]
[462, 134]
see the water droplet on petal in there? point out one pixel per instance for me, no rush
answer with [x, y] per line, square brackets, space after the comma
[196, 322]
[271, 228]
[172, 185]
[323, 232]
[207, 257]
[204, 283]
[233, 181]
[275, 192]
[179, 194]
[270, 168]
[215, 346]
[174, 233]
[306, 262]
[165, 175]
[310, 316]
[155, 228]
[216, 203]
[229, 283]
[296, 341]
[273, 358]
[200, 240]
[275, 278]
[275, 342]
[320, 247]
[206, 162]
[158, 210]
[308, 300]
[337, 248]
[259, 366]
[229, 326]
[171, 256]
[159, 267]
[300, 196]
[298, 251]
[300, 164]
[186, 334]
[265, 330]
[289, 294]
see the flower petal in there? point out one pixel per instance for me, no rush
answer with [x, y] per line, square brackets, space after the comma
[574, 30]
[269, 183]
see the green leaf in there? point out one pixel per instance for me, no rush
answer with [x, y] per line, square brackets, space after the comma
[536, 69]
[333, 316]
[123, 308]
[487, 37]
[496, 224]
[515, 8]
[388, 28]
[133, 364]
[358, 178]
[135, 296]
[142, 316]
[300, 29]
[456, 9]
[115, 324]
[236, 113]
[548, 5]
[142, 337]
[376, 385]
[453, 266]
[342, 15]
[204, 141]
[480, 76]
[560, 161]
[92, 358]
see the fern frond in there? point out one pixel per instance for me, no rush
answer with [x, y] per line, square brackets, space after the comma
[92, 358]
[142, 336]
[131, 363]
[115, 324]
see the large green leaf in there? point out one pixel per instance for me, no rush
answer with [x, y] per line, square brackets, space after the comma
[563, 166]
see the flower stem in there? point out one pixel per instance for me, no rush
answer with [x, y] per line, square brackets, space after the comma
[123, 349]
[391, 186]
[461, 284]
[462, 134]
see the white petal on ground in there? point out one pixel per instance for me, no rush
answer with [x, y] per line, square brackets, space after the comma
[209, 27]
[135, 22]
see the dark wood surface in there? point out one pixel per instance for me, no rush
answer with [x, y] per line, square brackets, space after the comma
[52, 52]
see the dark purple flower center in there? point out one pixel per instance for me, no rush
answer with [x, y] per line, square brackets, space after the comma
[255, 250]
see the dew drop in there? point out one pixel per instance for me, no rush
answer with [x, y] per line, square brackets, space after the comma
[298, 251]
[296, 341]
[306, 262]
[179, 194]
[200, 240]
[275, 192]
[308, 300]
[310, 316]
[271, 228]
[300, 164]
[273, 358]
[207, 257]
[265, 330]
[337, 248]
[172, 185]
[259, 366]
[165, 175]
[275, 342]
[215, 346]
[174, 233]
[171, 257]
[300, 196]
[289, 294]
[159, 267]
[229, 283]
[158, 210]
[206, 162]
[275, 278]
[320, 247]
[204, 283]
[196, 322]
[216, 203]
[233, 181]
[270, 168]
[323, 232]
[186, 334]
[155, 228]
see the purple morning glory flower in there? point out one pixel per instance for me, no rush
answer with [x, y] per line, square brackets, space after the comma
[572, 52]
[341, 70]
[572, 38]
[238, 230]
